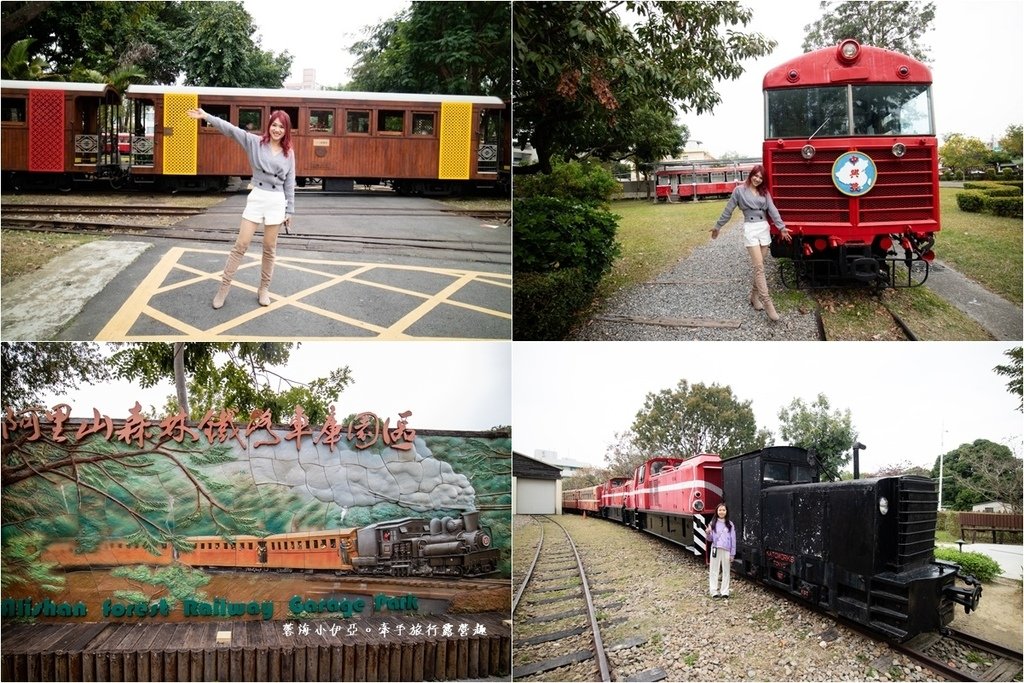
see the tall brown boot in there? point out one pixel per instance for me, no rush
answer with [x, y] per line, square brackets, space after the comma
[761, 285]
[267, 271]
[234, 259]
[755, 300]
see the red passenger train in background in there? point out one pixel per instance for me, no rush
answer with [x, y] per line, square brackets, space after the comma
[58, 134]
[851, 153]
[699, 180]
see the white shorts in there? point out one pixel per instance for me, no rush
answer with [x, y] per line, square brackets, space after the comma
[264, 206]
[756, 233]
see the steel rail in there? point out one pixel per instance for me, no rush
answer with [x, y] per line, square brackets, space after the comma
[599, 653]
[529, 572]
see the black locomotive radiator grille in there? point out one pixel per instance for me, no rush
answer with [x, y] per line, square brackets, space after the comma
[916, 521]
[803, 190]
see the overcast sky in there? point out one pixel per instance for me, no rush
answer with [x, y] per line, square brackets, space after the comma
[976, 51]
[976, 62]
[460, 386]
[317, 33]
[908, 402]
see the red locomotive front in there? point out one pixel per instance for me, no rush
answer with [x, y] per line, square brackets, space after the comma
[852, 158]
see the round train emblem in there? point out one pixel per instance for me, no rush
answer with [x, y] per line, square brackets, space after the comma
[854, 174]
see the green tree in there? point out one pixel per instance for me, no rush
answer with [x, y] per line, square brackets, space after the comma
[1012, 141]
[218, 49]
[624, 455]
[237, 375]
[689, 420]
[101, 36]
[21, 64]
[979, 472]
[30, 368]
[458, 48]
[830, 434]
[962, 153]
[584, 478]
[897, 26]
[580, 71]
[648, 135]
[1015, 372]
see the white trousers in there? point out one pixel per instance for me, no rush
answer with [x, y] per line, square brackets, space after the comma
[719, 563]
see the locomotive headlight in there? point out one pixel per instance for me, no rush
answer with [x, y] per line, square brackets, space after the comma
[485, 540]
[807, 152]
[849, 50]
[698, 505]
[883, 505]
[899, 149]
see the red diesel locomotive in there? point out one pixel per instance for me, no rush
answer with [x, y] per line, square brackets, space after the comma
[851, 152]
[665, 497]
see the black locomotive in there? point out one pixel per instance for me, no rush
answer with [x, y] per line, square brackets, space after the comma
[861, 549]
[427, 547]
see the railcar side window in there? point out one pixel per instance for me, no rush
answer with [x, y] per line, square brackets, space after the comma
[251, 120]
[776, 473]
[891, 110]
[221, 111]
[390, 121]
[422, 124]
[13, 109]
[806, 112]
[321, 121]
[293, 114]
[357, 122]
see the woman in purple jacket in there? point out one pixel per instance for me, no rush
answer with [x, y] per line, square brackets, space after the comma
[722, 540]
[753, 198]
[272, 199]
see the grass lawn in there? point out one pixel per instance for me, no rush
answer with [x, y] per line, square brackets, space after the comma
[984, 248]
[988, 249]
[23, 251]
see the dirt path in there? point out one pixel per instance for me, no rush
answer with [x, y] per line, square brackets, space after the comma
[998, 617]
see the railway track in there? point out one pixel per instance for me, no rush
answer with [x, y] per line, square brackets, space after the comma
[555, 592]
[295, 239]
[939, 652]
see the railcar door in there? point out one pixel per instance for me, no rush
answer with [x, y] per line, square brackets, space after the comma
[488, 159]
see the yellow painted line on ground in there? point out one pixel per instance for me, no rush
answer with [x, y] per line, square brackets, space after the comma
[479, 309]
[171, 321]
[121, 322]
[426, 307]
[287, 300]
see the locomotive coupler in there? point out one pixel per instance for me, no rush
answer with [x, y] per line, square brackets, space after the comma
[968, 597]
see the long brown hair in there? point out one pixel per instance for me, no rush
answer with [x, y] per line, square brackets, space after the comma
[764, 189]
[286, 121]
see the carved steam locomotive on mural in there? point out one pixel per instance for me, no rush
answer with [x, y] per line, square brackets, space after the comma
[410, 546]
[862, 549]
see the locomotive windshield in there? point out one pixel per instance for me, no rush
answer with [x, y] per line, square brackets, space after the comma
[840, 111]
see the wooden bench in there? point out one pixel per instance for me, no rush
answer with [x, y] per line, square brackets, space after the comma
[993, 522]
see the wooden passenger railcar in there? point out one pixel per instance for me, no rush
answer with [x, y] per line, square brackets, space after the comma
[58, 133]
[107, 554]
[55, 130]
[215, 551]
[333, 549]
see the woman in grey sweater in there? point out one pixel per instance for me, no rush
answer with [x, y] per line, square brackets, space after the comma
[753, 199]
[272, 199]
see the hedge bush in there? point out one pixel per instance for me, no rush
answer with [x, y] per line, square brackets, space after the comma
[561, 249]
[1012, 207]
[982, 567]
[552, 233]
[972, 201]
[547, 305]
[585, 181]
